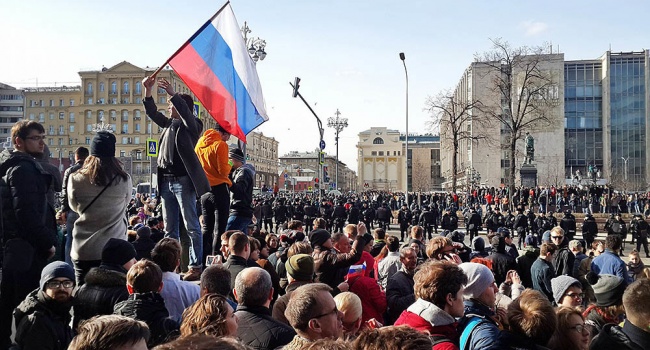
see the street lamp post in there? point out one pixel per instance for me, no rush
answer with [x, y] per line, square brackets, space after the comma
[255, 45]
[406, 174]
[296, 85]
[338, 124]
[625, 160]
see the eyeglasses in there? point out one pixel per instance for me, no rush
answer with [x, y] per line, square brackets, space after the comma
[580, 328]
[576, 295]
[557, 237]
[335, 311]
[36, 138]
[58, 284]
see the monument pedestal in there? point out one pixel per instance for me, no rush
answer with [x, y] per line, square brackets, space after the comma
[528, 175]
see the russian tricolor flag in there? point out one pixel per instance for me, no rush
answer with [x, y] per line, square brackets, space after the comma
[215, 65]
[356, 270]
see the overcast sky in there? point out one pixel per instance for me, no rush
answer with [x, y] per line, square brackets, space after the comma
[345, 52]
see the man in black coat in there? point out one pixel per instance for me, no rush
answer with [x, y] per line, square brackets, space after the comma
[43, 318]
[564, 259]
[28, 228]
[568, 224]
[105, 285]
[502, 262]
[181, 179]
[520, 226]
[589, 230]
[240, 250]
[257, 329]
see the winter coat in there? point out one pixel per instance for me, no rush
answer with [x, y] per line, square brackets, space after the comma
[104, 287]
[103, 220]
[621, 338]
[610, 263]
[513, 341]
[26, 212]
[241, 191]
[524, 264]
[186, 137]
[563, 262]
[235, 264]
[541, 274]
[399, 294]
[501, 263]
[42, 323]
[426, 317]
[373, 299]
[259, 330]
[150, 308]
[485, 332]
[327, 262]
[213, 156]
[280, 305]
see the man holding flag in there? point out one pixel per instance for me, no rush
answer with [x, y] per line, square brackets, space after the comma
[181, 179]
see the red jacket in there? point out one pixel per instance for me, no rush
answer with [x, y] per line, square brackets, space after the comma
[418, 323]
[373, 299]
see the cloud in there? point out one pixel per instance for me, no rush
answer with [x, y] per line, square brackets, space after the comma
[532, 28]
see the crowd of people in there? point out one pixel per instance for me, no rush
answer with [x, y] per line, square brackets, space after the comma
[211, 267]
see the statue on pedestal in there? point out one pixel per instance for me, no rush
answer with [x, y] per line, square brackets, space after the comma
[530, 148]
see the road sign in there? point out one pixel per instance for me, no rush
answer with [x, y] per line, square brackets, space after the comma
[286, 175]
[197, 109]
[322, 144]
[152, 148]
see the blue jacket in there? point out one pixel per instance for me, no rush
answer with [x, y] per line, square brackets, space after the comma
[541, 274]
[484, 333]
[610, 263]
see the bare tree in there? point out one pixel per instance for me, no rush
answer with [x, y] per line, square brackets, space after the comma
[421, 178]
[524, 88]
[453, 117]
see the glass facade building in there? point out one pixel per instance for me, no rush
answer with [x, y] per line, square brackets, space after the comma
[583, 128]
[605, 113]
[628, 118]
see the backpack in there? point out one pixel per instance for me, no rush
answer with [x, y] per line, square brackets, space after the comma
[467, 332]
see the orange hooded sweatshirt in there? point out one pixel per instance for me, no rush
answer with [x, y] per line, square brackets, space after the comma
[213, 155]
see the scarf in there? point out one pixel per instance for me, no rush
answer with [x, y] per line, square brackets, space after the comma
[168, 145]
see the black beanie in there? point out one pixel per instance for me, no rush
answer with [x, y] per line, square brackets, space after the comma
[318, 237]
[103, 145]
[54, 270]
[117, 252]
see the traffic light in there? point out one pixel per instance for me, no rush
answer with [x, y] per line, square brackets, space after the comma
[325, 170]
[321, 158]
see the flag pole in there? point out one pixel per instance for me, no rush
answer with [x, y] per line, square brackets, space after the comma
[190, 39]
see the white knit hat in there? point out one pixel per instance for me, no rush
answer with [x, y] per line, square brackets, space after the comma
[479, 278]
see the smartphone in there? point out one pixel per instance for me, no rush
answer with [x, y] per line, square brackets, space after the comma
[213, 260]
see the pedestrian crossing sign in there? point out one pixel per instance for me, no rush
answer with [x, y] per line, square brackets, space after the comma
[152, 148]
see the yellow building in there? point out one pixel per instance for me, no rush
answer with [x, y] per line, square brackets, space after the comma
[111, 96]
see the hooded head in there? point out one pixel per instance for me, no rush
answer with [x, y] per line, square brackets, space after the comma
[478, 244]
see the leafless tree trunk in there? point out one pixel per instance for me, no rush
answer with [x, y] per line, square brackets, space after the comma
[524, 89]
[454, 118]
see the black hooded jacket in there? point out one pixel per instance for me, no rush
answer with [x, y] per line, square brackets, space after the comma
[150, 308]
[104, 287]
[627, 337]
[43, 323]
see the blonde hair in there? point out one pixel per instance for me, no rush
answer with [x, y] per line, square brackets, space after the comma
[349, 304]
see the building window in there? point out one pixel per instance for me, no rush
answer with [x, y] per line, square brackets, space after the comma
[138, 100]
[125, 128]
[60, 141]
[61, 131]
[123, 153]
[138, 154]
[381, 153]
[89, 127]
[373, 153]
[90, 101]
[70, 141]
[378, 141]
[89, 88]
[72, 102]
[51, 103]
[71, 129]
[31, 116]
[113, 88]
[162, 99]
[124, 140]
[101, 87]
[125, 116]
[61, 103]
[61, 115]
[138, 87]
[88, 140]
[89, 114]
[137, 127]
[51, 116]
[136, 140]
[51, 131]
[50, 141]
[125, 87]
